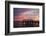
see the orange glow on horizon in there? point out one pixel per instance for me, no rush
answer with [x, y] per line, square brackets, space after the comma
[20, 18]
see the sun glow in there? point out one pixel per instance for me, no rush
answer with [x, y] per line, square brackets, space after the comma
[20, 18]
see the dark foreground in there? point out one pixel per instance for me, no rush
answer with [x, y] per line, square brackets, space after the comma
[26, 23]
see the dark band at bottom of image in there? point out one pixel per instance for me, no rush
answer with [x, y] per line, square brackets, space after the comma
[26, 23]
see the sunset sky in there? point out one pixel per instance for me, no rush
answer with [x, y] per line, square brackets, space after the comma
[26, 13]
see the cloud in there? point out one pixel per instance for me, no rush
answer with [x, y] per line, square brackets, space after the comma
[34, 15]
